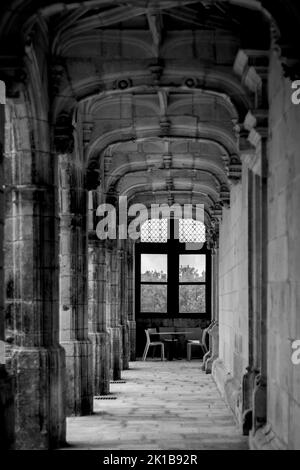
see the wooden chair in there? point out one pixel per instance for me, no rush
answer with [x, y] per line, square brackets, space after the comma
[196, 342]
[149, 332]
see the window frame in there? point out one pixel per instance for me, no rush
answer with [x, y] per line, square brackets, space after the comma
[191, 283]
[154, 283]
[173, 249]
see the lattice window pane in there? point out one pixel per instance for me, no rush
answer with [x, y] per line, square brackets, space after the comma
[155, 231]
[191, 231]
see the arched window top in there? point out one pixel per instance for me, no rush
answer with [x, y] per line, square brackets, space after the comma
[156, 231]
[191, 231]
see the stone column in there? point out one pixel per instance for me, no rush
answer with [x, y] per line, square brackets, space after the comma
[113, 312]
[6, 381]
[213, 332]
[260, 353]
[251, 371]
[123, 302]
[130, 296]
[254, 381]
[74, 285]
[98, 333]
[31, 265]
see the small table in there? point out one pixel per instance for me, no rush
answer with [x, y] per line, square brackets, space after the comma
[172, 341]
[172, 332]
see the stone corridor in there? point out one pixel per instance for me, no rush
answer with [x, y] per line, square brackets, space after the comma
[119, 119]
[169, 405]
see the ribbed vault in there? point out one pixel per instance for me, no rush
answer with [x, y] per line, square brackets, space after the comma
[154, 94]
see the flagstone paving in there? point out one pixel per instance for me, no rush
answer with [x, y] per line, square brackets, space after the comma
[162, 405]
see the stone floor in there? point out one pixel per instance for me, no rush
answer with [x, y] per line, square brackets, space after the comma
[162, 405]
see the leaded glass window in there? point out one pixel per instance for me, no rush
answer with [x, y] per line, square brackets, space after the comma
[191, 231]
[154, 231]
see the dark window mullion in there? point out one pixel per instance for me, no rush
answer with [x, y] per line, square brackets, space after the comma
[208, 287]
[173, 272]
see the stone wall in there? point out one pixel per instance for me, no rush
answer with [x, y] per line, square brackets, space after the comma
[233, 296]
[283, 412]
[282, 429]
[6, 381]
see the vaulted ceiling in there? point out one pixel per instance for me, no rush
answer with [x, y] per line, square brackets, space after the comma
[156, 91]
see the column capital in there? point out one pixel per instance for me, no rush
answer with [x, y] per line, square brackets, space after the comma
[57, 73]
[234, 169]
[225, 195]
[63, 133]
[87, 128]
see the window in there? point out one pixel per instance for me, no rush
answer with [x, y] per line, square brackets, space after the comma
[172, 279]
[154, 280]
[191, 231]
[192, 275]
[192, 268]
[154, 231]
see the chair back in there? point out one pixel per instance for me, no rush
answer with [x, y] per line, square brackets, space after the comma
[167, 329]
[194, 334]
[151, 332]
[204, 335]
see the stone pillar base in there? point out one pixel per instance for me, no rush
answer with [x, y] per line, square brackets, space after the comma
[230, 389]
[205, 358]
[116, 352]
[101, 362]
[259, 402]
[132, 340]
[214, 335]
[7, 419]
[79, 393]
[126, 351]
[248, 387]
[264, 438]
[209, 362]
[39, 397]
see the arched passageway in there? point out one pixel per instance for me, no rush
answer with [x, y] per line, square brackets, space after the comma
[170, 102]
